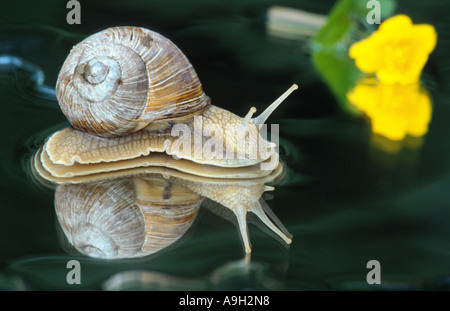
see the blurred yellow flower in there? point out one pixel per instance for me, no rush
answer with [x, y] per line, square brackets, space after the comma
[395, 111]
[397, 51]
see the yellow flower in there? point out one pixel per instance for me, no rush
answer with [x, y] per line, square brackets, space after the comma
[397, 51]
[395, 111]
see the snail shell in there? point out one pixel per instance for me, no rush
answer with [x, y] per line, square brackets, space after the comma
[125, 218]
[121, 79]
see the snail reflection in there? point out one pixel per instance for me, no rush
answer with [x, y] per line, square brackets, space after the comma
[126, 217]
[140, 211]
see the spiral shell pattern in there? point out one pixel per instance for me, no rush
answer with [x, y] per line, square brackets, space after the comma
[121, 79]
[124, 217]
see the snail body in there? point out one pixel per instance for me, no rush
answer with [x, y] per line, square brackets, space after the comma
[129, 92]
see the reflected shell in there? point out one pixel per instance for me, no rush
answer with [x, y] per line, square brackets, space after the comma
[122, 201]
[124, 218]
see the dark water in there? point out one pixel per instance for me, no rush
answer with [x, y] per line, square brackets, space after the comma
[345, 201]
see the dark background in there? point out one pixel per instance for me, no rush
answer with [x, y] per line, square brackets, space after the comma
[344, 201]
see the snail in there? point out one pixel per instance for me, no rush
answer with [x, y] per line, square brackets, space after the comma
[139, 117]
[145, 210]
[129, 93]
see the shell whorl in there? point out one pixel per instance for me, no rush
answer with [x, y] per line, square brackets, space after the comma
[96, 218]
[124, 217]
[121, 79]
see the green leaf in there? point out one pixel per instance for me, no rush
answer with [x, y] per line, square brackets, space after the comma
[346, 24]
[339, 73]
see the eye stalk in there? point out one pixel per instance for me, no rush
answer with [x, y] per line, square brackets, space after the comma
[261, 119]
